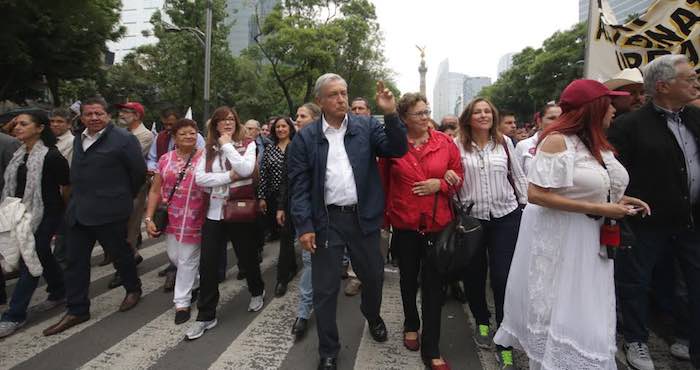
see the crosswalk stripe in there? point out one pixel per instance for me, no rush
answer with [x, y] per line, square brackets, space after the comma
[148, 344]
[390, 354]
[99, 272]
[30, 342]
[267, 339]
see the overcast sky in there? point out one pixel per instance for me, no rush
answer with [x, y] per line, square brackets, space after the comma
[473, 34]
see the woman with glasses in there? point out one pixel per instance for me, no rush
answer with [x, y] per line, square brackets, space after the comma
[418, 187]
[229, 165]
[272, 169]
[174, 185]
[496, 186]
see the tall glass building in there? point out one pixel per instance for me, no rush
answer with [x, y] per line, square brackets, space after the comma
[621, 8]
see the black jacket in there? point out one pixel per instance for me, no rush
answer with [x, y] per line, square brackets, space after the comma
[365, 140]
[105, 178]
[656, 165]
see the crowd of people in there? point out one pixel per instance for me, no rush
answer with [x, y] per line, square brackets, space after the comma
[588, 214]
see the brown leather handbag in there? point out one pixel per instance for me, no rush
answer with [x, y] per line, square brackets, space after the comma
[241, 205]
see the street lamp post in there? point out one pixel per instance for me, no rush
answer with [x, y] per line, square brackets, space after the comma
[204, 39]
[207, 62]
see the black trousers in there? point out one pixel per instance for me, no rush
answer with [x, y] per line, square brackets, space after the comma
[80, 239]
[500, 236]
[215, 236]
[344, 231]
[410, 248]
[3, 292]
[287, 261]
[633, 277]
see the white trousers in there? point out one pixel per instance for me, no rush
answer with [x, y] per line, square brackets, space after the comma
[186, 258]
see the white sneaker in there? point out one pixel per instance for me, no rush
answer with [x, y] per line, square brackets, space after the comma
[638, 356]
[256, 303]
[7, 328]
[680, 350]
[198, 328]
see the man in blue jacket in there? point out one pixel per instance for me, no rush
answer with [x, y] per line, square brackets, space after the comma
[337, 201]
[108, 169]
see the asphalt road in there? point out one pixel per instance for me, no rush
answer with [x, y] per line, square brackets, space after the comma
[146, 337]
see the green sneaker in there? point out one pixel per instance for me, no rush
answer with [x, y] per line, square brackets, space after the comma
[505, 359]
[482, 336]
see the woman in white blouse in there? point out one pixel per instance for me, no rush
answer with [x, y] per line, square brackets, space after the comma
[496, 186]
[229, 164]
[560, 300]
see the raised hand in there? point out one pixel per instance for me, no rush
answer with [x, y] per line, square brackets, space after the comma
[385, 99]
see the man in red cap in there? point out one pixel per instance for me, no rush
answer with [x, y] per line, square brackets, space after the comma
[131, 117]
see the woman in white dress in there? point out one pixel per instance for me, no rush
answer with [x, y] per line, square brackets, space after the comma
[560, 297]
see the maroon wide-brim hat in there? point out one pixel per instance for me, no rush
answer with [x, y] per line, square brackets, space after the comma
[580, 92]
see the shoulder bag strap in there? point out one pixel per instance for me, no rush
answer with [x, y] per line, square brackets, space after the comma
[510, 171]
[179, 179]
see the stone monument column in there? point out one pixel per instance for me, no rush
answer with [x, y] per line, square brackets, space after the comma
[422, 69]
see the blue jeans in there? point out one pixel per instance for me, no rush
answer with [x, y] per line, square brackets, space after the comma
[306, 292]
[633, 275]
[53, 274]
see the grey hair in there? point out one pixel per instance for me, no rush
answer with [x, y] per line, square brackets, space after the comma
[323, 80]
[252, 120]
[662, 68]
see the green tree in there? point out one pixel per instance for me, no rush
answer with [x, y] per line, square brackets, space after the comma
[53, 41]
[539, 75]
[302, 39]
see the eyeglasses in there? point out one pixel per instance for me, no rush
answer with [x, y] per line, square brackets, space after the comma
[420, 114]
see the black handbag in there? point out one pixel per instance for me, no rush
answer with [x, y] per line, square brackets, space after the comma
[160, 216]
[453, 248]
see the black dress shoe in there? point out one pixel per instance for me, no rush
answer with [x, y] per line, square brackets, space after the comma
[241, 275]
[280, 289]
[116, 281]
[138, 259]
[328, 363]
[378, 330]
[299, 328]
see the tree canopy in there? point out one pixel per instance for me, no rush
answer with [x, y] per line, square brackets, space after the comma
[47, 41]
[539, 75]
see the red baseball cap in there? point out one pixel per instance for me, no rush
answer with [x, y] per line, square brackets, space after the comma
[580, 92]
[136, 107]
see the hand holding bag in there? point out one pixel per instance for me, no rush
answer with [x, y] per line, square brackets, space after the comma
[160, 216]
[454, 247]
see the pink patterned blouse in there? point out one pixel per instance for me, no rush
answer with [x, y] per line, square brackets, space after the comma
[186, 211]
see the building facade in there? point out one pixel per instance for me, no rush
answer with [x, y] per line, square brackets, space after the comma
[471, 88]
[505, 63]
[243, 18]
[136, 17]
[621, 8]
[447, 91]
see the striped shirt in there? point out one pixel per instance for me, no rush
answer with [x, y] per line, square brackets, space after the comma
[486, 180]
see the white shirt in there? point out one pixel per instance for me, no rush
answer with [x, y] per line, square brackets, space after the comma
[218, 181]
[486, 180]
[340, 188]
[64, 145]
[525, 152]
[88, 139]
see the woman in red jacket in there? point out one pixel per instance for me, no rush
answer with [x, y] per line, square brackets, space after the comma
[418, 187]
